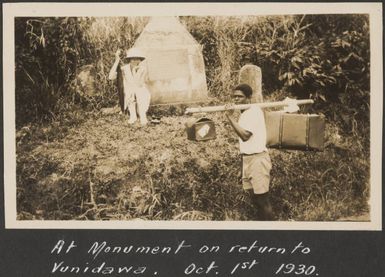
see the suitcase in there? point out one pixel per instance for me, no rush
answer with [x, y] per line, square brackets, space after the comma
[295, 131]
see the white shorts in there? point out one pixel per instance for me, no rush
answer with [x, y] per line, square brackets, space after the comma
[256, 172]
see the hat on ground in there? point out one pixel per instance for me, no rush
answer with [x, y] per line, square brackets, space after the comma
[135, 53]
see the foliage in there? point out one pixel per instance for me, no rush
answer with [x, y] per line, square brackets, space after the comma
[50, 52]
[325, 57]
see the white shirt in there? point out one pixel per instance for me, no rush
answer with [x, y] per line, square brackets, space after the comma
[134, 82]
[253, 120]
[134, 77]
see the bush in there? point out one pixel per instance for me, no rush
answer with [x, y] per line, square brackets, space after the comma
[50, 52]
[327, 61]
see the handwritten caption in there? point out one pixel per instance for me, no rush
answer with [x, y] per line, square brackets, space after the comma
[233, 260]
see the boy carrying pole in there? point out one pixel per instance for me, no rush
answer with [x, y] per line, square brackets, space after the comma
[256, 164]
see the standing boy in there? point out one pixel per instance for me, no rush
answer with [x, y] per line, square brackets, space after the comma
[133, 92]
[256, 164]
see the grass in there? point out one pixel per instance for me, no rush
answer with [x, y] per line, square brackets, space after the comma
[94, 166]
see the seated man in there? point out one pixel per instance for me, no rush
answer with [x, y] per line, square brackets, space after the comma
[256, 164]
[132, 77]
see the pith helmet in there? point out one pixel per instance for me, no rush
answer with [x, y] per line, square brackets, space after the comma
[135, 53]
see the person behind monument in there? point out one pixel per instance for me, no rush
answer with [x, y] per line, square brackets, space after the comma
[256, 164]
[134, 94]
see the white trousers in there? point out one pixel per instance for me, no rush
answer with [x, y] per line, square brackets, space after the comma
[138, 104]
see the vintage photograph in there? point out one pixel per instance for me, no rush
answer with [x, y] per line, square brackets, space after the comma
[213, 118]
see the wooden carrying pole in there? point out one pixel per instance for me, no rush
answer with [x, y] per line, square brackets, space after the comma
[222, 108]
